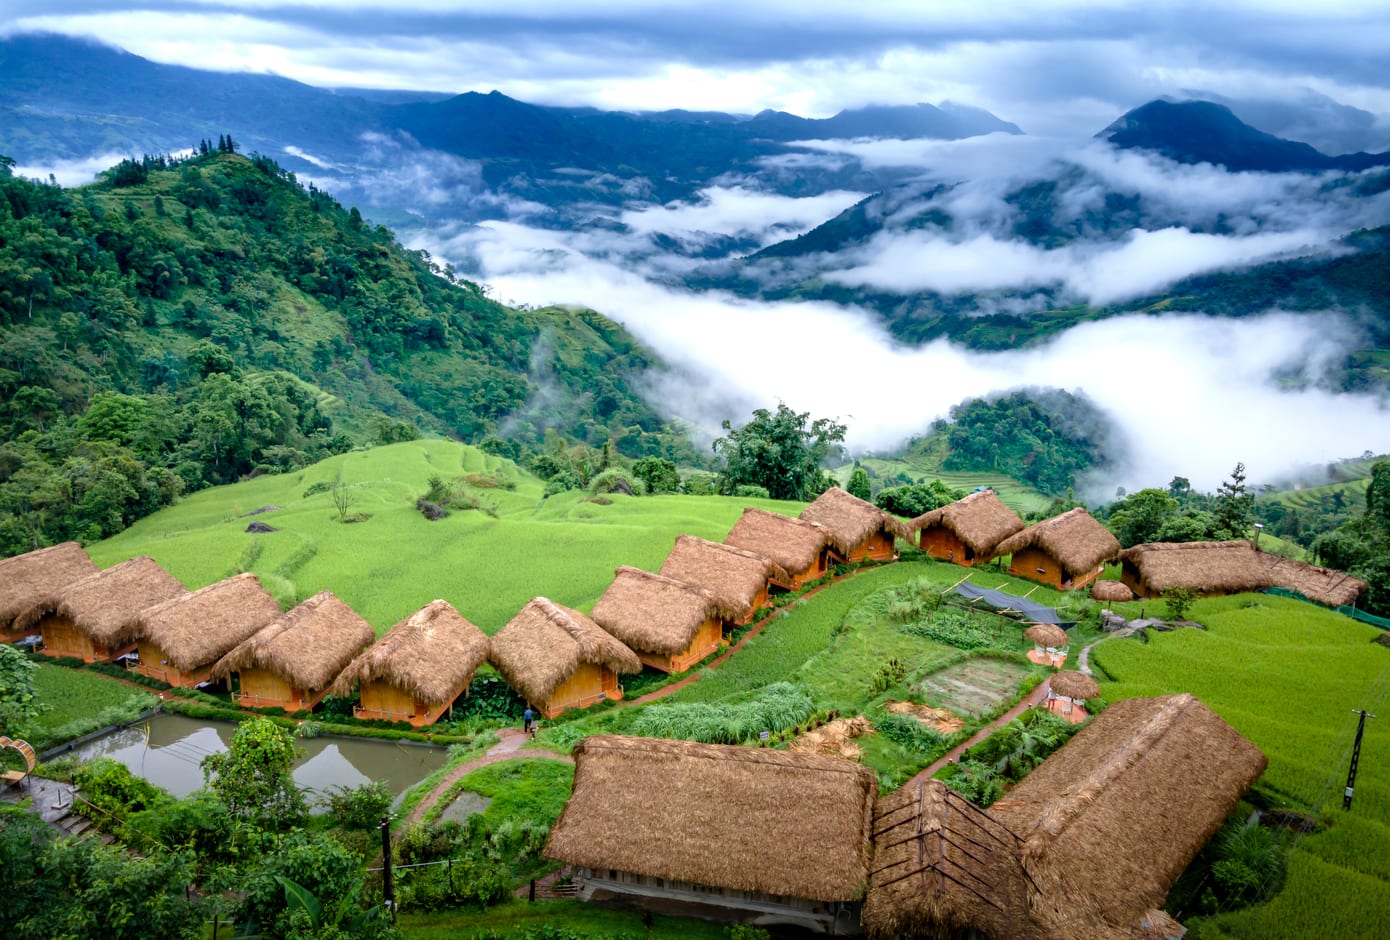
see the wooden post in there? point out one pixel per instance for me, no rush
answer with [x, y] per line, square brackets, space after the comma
[388, 887]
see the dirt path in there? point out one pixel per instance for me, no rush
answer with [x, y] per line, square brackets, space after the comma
[508, 748]
[1028, 701]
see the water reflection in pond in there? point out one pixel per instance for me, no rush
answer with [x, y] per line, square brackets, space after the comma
[167, 749]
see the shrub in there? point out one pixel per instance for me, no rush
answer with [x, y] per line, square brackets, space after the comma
[777, 707]
[951, 629]
[616, 480]
[359, 807]
[977, 782]
[1178, 601]
[909, 733]
[112, 793]
[748, 491]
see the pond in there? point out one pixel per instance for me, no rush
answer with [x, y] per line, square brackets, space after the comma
[167, 749]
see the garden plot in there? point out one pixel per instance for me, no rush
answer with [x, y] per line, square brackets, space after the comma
[974, 686]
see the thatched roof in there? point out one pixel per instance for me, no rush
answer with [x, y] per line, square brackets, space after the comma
[746, 819]
[850, 521]
[431, 654]
[308, 646]
[651, 613]
[1074, 684]
[102, 604]
[544, 644]
[792, 543]
[195, 629]
[1111, 819]
[1201, 567]
[1075, 539]
[943, 867]
[979, 520]
[734, 575]
[27, 579]
[1111, 591]
[1323, 585]
[1047, 634]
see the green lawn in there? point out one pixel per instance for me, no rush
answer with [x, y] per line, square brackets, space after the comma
[561, 920]
[75, 699]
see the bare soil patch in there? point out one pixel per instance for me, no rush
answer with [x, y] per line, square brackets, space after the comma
[835, 738]
[974, 686]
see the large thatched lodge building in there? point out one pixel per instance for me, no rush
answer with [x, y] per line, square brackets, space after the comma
[669, 624]
[858, 530]
[27, 579]
[1230, 567]
[737, 577]
[802, 549]
[89, 619]
[1066, 552]
[968, 531]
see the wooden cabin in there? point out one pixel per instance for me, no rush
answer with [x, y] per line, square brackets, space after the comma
[669, 624]
[967, 531]
[736, 577]
[180, 640]
[291, 662]
[731, 833]
[1066, 552]
[89, 620]
[1087, 845]
[801, 549]
[1210, 569]
[416, 671]
[557, 658]
[858, 530]
[25, 580]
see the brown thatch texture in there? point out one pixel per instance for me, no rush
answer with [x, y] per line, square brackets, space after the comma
[1201, 567]
[1047, 634]
[651, 613]
[734, 575]
[1078, 542]
[101, 605]
[1323, 585]
[747, 819]
[979, 520]
[431, 654]
[1074, 684]
[1111, 591]
[27, 579]
[1111, 819]
[791, 543]
[943, 867]
[544, 644]
[195, 629]
[850, 521]
[307, 647]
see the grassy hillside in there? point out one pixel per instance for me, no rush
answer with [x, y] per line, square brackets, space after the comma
[396, 561]
[1019, 497]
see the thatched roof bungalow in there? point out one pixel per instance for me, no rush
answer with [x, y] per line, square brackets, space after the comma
[1204, 568]
[417, 669]
[736, 577]
[27, 579]
[1067, 552]
[179, 640]
[800, 548]
[669, 624]
[743, 833]
[558, 658]
[291, 662]
[89, 619]
[966, 532]
[858, 529]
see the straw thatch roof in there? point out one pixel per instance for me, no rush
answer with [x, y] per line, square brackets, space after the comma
[544, 644]
[1074, 684]
[308, 646]
[979, 520]
[943, 867]
[1078, 542]
[1047, 634]
[102, 604]
[850, 521]
[733, 575]
[792, 543]
[1111, 819]
[1323, 585]
[195, 629]
[27, 579]
[654, 614]
[1201, 567]
[1111, 591]
[746, 819]
[431, 654]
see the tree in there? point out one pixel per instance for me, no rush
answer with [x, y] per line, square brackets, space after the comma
[858, 484]
[659, 475]
[1235, 508]
[912, 500]
[252, 778]
[1139, 517]
[781, 452]
[17, 702]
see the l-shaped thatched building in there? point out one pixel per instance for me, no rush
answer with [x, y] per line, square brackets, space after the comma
[88, 619]
[736, 576]
[1230, 567]
[858, 529]
[967, 531]
[669, 624]
[27, 579]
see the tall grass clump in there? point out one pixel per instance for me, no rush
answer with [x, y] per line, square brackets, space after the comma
[951, 629]
[779, 706]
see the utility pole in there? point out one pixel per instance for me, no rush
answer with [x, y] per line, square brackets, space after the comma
[1355, 756]
[388, 886]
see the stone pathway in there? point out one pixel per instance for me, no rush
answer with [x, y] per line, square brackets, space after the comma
[508, 748]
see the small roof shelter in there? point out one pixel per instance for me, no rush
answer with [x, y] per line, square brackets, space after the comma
[736, 577]
[1067, 552]
[800, 548]
[27, 579]
[89, 619]
[1049, 644]
[858, 530]
[967, 531]
[1069, 691]
[669, 624]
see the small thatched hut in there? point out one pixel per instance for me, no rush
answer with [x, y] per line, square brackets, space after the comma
[291, 662]
[800, 548]
[25, 580]
[1049, 644]
[1110, 591]
[737, 577]
[966, 532]
[858, 529]
[89, 619]
[1067, 552]
[1204, 568]
[1068, 692]
[669, 624]
[558, 658]
[179, 640]
[418, 668]
[738, 833]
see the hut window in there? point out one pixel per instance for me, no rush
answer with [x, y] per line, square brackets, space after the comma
[1042, 571]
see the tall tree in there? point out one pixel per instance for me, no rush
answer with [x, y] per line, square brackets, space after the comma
[1235, 508]
[781, 452]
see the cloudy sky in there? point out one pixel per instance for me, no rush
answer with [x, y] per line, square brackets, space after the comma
[1052, 66]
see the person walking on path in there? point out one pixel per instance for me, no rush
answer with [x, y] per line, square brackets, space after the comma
[528, 720]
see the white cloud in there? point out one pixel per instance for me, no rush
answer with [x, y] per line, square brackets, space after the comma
[740, 211]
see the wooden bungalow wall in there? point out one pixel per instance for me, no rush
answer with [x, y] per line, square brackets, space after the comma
[155, 664]
[1130, 578]
[589, 684]
[385, 702]
[1037, 565]
[261, 688]
[877, 547]
[62, 637]
[706, 641]
[942, 544]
